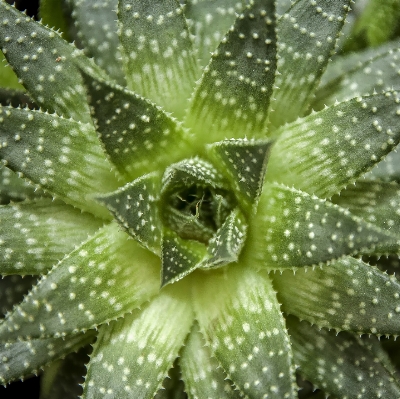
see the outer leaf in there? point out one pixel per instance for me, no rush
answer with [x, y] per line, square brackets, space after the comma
[246, 330]
[347, 295]
[133, 131]
[58, 154]
[22, 358]
[101, 280]
[307, 36]
[362, 131]
[139, 348]
[157, 52]
[234, 93]
[293, 229]
[36, 235]
[341, 364]
[202, 374]
[44, 62]
[96, 23]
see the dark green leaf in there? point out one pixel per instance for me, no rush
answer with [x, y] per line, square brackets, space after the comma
[347, 295]
[329, 149]
[157, 53]
[101, 280]
[246, 330]
[343, 365]
[233, 96]
[307, 36]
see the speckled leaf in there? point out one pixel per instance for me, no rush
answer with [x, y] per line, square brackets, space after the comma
[44, 62]
[347, 295]
[179, 257]
[307, 37]
[22, 358]
[327, 150]
[160, 63]
[134, 132]
[244, 163]
[13, 289]
[140, 349]
[36, 235]
[60, 155]
[246, 330]
[203, 376]
[134, 207]
[209, 21]
[101, 280]
[294, 229]
[342, 365]
[233, 95]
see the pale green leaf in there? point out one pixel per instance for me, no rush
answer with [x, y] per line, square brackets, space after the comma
[347, 295]
[327, 150]
[140, 348]
[342, 365]
[246, 330]
[159, 61]
[294, 229]
[307, 36]
[62, 156]
[22, 358]
[203, 376]
[101, 280]
[37, 234]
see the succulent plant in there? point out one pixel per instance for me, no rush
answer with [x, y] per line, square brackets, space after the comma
[195, 194]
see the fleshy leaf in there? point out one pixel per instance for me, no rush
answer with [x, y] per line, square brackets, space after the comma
[347, 295]
[246, 330]
[294, 229]
[233, 95]
[58, 154]
[140, 348]
[157, 53]
[244, 163]
[22, 358]
[202, 374]
[45, 63]
[179, 257]
[307, 36]
[134, 208]
[342, 365]
[322, 160]
[36, 235]
[133, 131]
[96, 23]
[101, 280]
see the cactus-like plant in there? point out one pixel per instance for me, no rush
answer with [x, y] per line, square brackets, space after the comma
[253, 182]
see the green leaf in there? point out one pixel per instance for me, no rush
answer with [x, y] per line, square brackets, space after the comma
[22, 358]
[294, 229]
[96, 23]
[202, 374]
[36, 235]
[244, 163]
[307, 36]
[233, 95]
[329, 149]
[134, 207]
[52, 14]
[58, 154]
[132, 130]
[99, 281]
[246, 331]
[347, 295]
[8, 78]
[157, 53]
[45, 63]
[342, 365]
[140, 348]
